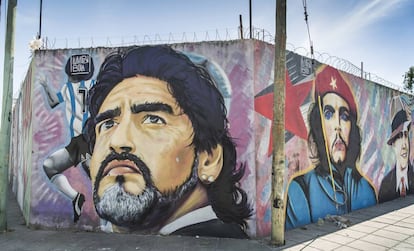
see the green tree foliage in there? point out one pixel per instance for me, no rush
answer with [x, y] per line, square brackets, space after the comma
[409, 80]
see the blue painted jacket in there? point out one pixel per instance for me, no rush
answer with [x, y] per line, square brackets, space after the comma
[311, 196]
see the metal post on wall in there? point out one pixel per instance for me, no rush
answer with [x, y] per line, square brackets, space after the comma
[6, 111]
[250, 17]
[362, 69]
[241, 27]
[39, 34]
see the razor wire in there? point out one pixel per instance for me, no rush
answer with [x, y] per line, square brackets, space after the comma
[213, 35]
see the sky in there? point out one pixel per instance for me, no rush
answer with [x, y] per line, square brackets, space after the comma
[377, 33]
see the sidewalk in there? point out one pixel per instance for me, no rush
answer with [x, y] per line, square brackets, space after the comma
[388, 226]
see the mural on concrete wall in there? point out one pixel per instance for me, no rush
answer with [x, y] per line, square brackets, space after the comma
[162, 157]
[399, 181]
[60, 178]
[347, 140]
[335, 163]
[79, 69]
[334, 185]
[155, 158]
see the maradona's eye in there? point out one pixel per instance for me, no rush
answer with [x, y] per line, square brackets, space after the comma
[106, 125]
[153, 119]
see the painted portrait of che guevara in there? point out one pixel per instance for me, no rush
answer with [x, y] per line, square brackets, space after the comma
[334, 185]
[162, 158]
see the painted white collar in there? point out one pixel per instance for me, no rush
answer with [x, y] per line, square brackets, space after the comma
[399, 175]
[200, 215]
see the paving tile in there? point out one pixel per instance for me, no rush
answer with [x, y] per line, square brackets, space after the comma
[298, 242]
[295, 248]
[346, 248]
[351, 233]
[300, 247]
[379, 240]
[399, 229]
[363, 229]
[391, 235]
[410, 240]
[409, 220]
[338, 238]
[384, 219]
[366, 246]
[325, 245]
[374, 224]
[397, 216]
[308, 248]
[403, 246]
[408, 209]
[406, 224]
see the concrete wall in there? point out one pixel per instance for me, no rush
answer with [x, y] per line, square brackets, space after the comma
[243, 72]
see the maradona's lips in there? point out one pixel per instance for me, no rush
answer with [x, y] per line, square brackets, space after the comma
[120, 167]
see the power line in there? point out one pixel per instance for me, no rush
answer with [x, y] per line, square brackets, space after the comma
[319, 102]
[308, 29]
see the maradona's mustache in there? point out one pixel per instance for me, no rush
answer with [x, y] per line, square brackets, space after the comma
[120, 167]
[120, 163]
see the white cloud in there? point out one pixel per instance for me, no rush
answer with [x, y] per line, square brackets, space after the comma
[356, 31]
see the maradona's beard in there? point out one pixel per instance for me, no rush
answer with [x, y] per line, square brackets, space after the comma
[142, 211]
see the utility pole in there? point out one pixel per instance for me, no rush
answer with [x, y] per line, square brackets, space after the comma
[6, 111]
[278, 132]
[250, 18]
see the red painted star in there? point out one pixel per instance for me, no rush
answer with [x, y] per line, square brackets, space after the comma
[295, 95]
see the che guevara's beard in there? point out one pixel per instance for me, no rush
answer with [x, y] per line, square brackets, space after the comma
[338, 144]
[145, 210]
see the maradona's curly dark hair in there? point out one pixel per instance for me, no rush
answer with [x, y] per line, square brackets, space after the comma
[197, 95]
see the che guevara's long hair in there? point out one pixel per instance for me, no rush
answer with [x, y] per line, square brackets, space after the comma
[198, 97]
[316, 143]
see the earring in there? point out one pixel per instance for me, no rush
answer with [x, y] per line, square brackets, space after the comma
[207, 179]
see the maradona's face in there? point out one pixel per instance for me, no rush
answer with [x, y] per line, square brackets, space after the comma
[337, 126]
[143, 147]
